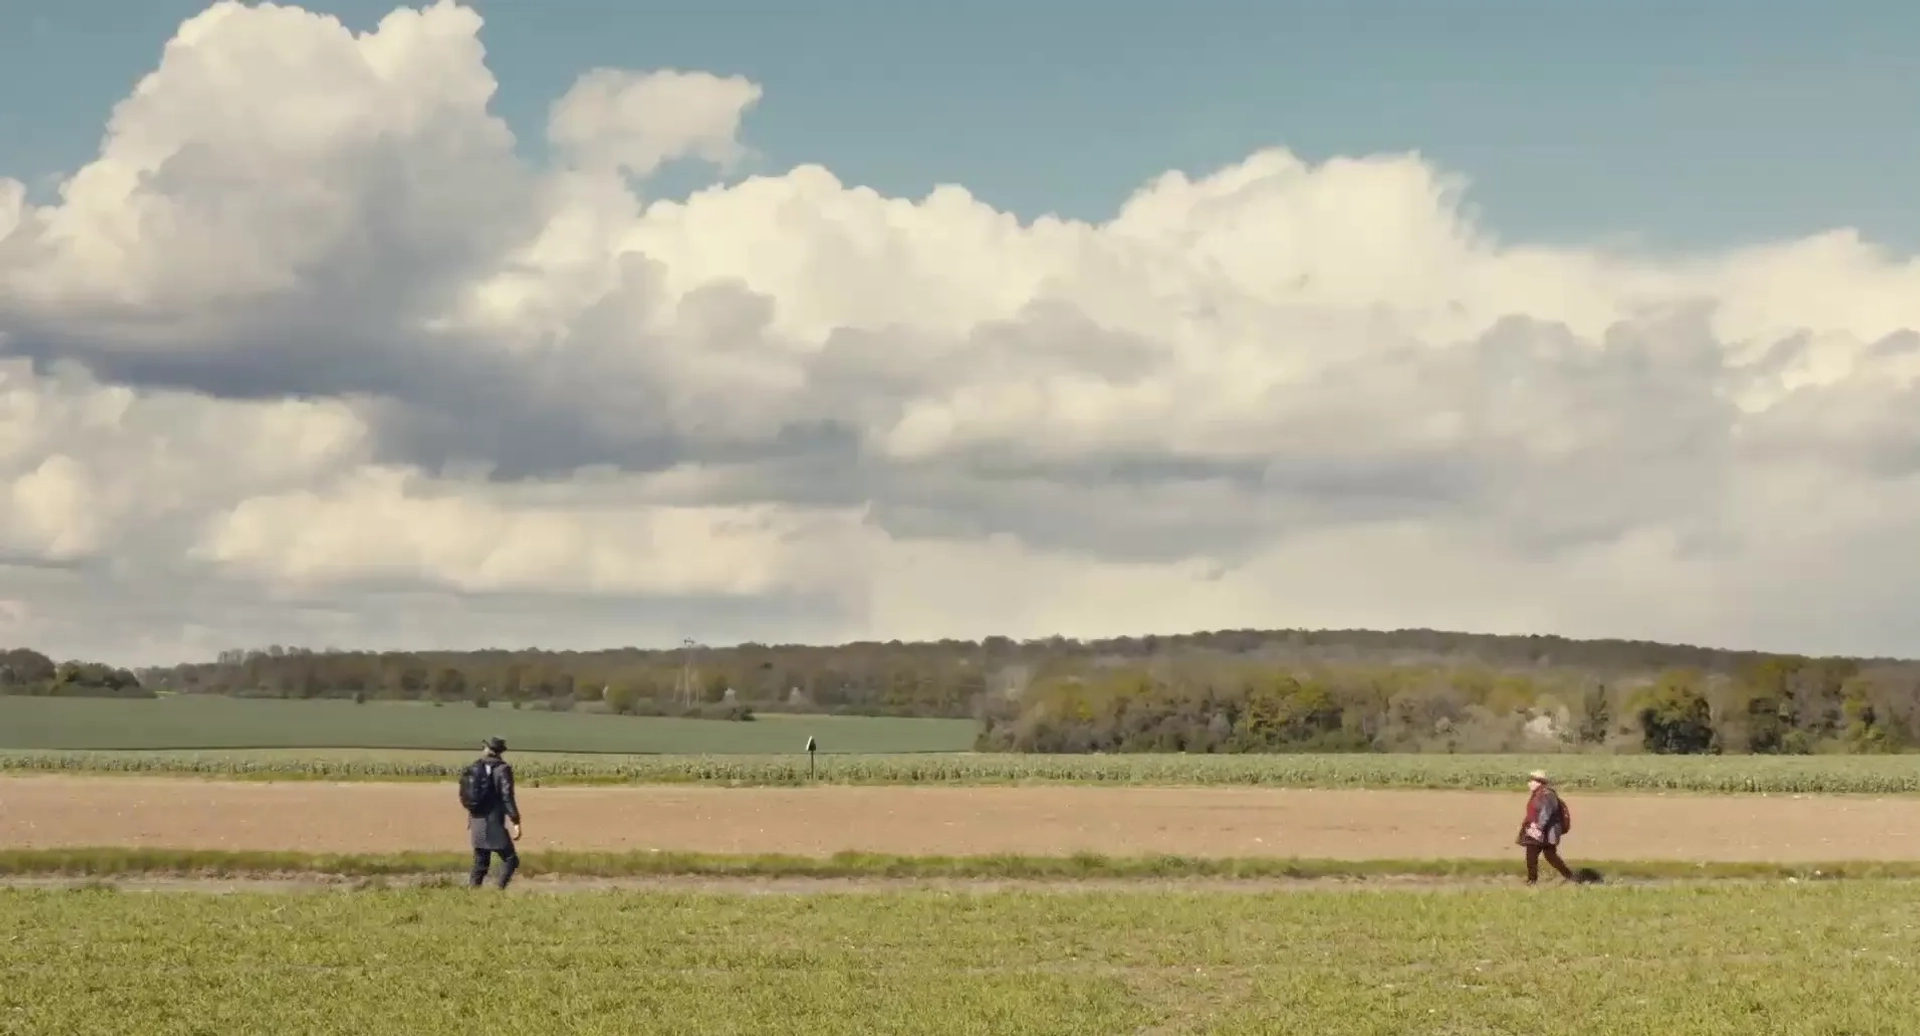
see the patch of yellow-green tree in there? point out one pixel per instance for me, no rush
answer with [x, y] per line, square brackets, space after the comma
[1783, 705]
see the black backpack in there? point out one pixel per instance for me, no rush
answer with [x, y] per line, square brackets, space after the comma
[477, 789]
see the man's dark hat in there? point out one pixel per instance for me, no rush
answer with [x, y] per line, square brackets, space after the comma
[496, 745]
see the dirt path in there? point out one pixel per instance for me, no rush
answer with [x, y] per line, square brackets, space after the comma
[51, 811]
[759, 886]
[809, 886]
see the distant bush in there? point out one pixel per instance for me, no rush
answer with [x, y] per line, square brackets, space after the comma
[735, 712]
[57, 690]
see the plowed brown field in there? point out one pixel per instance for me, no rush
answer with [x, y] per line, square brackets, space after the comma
[47, 812]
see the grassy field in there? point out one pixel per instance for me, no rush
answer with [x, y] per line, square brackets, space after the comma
[123, 863]
[1899, 774]
[211, 722]
[1685, 961]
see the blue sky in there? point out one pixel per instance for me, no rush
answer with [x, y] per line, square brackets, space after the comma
[1673, 125]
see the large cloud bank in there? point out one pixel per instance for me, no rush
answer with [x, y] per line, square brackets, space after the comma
[308, 355]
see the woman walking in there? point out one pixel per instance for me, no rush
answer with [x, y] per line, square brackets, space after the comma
[1540, 832]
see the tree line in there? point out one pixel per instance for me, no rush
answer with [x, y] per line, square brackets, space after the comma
[1779, 705]
[28, 672]
[1224, 691]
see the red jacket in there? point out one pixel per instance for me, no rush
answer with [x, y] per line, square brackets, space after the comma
[1543, 811]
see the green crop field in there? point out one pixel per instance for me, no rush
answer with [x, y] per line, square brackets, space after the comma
[1885, 774]
[212, 722]
[1685, 961]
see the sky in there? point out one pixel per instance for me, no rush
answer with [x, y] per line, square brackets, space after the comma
[1709, 123]
[584, 324]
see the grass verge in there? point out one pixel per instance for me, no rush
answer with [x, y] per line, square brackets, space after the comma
[125, 862]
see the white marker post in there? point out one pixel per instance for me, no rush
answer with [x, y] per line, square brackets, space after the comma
[812, 746]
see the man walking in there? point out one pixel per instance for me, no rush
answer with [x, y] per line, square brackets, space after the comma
[1540, 831]
[493, 814]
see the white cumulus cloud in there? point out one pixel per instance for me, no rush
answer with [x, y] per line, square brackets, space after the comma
[613, 119]
[308, 354]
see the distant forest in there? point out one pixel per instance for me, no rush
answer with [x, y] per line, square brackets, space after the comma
[1227, 691]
